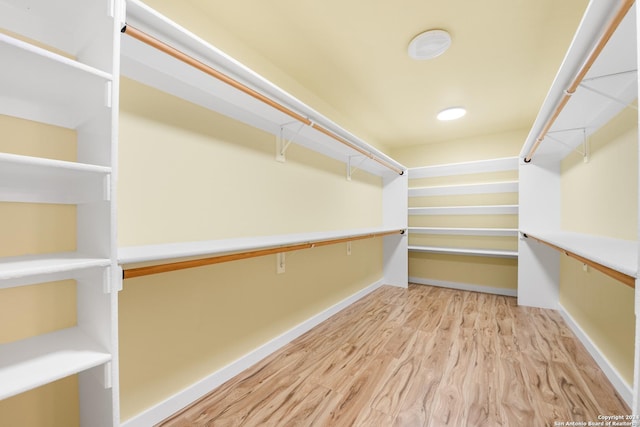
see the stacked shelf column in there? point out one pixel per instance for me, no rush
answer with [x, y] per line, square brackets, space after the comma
[62, 60]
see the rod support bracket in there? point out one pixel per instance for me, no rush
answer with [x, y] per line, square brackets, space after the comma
[351, 169]
[282, 143]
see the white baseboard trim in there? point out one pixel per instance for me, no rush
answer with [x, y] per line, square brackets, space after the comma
[170, 406]
[625, 390]
[464, 286]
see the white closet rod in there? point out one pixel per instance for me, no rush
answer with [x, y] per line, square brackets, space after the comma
[181, 56]
[601, 43]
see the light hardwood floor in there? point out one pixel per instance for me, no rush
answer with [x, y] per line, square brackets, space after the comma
[424, 356]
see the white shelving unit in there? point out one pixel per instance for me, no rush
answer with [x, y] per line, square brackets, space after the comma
[461, 169]
[540, 179]
[609, 86]
[62, 69]
[152, 67]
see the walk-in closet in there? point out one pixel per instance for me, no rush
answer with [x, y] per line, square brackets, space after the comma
[218, 213]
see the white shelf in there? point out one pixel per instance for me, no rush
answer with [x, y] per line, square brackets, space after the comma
[46, 87]
[617, 254]
[484, 188]
[33, 362]
[466, 210]
[35, 179]
[64, 25]
[465, 168]
[34, 265]
[136, 254]
[152, 67]
[494, 253]
[610, 74]
[507, 232]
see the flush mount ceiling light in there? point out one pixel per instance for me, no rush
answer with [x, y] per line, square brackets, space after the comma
[429, 44]
[452, 113]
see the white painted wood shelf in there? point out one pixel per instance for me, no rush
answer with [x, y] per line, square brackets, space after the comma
[149, 253]
[465, 168]
[35, 179]
[617, 254]
[483, 188]
[494, 253]
[50, 88]
[465, 210]
[33, 362]
[36, 265]
[465, 231]
[152, 67]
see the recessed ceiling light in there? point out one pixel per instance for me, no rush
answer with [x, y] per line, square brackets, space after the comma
[451, 113]
[429, 44]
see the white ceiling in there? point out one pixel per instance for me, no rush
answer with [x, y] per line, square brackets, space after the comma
[352, 55]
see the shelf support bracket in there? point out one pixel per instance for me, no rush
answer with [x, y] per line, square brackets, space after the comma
[609, 97]
[282, 144]
[585, 144]
[352, 169]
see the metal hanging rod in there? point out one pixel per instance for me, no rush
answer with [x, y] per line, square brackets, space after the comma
[615, 274]
[201, 262]
[181, 56]
[593, 55]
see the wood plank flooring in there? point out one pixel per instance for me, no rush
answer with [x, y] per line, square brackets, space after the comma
[424, 356]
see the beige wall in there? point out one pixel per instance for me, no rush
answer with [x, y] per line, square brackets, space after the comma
[482, 271]
[186, 174]
[27, 311]
[601, 197]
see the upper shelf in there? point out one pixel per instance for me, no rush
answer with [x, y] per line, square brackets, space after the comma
[484, 188]
[609, 86]
[465, 168]
[50, 88]
[153, 67]
[617, 254]
[68, 26]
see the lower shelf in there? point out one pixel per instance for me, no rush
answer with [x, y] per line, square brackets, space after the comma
[34, 362]
[496, 253]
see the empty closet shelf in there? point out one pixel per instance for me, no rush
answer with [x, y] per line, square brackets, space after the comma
[197, 254]
[33, 265]
[33, 362]
[465, 231]
[483, 188]
[494, 253]
[41, 180]
[466, 210]
[465, 168]
[614, 254]
[43, 86]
